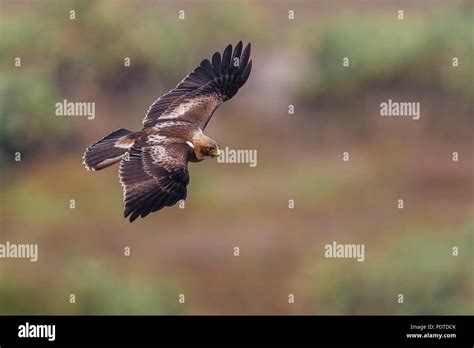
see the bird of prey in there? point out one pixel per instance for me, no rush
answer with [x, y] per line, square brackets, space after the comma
[154, 161]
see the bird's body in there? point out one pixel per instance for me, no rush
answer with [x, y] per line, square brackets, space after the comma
[180, 133]
[153, 161]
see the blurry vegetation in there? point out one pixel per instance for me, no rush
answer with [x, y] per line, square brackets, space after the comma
[421, 266]
[98, 289]
[415, 52]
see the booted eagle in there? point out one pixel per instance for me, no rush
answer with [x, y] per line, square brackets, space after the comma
[154, 161]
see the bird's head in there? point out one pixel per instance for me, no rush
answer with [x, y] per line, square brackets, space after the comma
[205, 147]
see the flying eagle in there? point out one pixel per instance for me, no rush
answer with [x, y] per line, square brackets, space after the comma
[154, 161]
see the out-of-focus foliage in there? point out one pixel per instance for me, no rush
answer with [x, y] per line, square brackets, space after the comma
[97, 287]
[385, 50]
[419, 266]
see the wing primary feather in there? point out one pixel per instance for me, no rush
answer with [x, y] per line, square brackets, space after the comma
[245, 58]
[236, 54]
[135, 215]
[226, 59]
[207, 68]
[246, 74]
[216, 63]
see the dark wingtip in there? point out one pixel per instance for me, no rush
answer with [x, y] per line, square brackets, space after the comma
[134, 216]
[127, 212]
[246, 73]
[228, 70]
[216, 63]
[245, 58]
[134, 213]
[226, 56]
[207, 67]
[237, 50]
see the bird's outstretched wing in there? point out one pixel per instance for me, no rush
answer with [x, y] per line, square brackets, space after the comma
[154, 174]
[199, 94]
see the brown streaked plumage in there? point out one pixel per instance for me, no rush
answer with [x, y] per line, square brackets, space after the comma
[154, 161]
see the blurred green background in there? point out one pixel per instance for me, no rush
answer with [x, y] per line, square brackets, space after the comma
[190, 251]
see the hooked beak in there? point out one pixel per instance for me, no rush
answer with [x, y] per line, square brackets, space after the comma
[216, 152]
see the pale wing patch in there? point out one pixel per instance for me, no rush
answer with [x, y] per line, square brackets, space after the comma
[190, 144]
[123, 146]
[170, 124]
[157, 139]
[180, 110]
[124, 143]
[196, 110]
